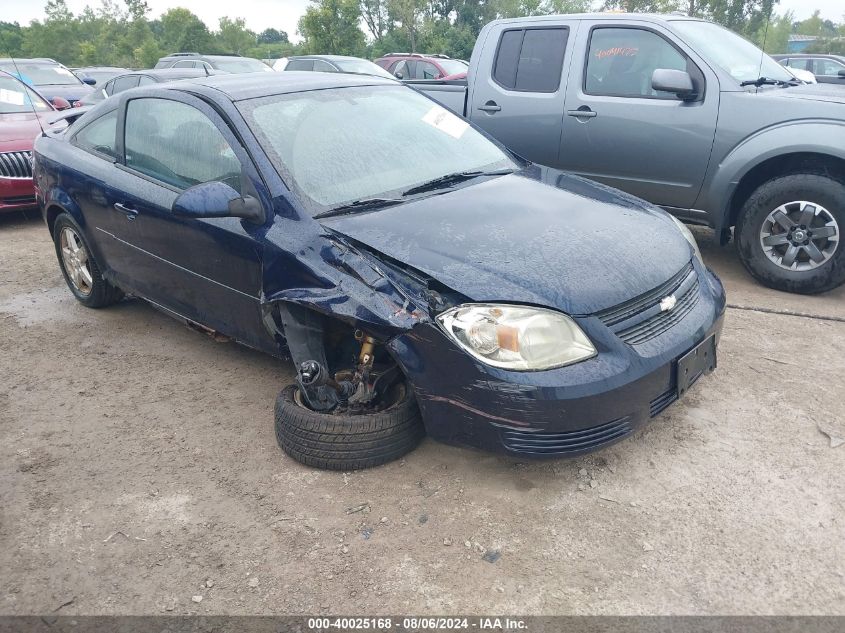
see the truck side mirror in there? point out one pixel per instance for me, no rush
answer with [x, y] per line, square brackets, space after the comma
[842, 73]
[678, 82]
[398, 74]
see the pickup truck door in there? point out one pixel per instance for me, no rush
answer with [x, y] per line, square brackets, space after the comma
[620, 131]
[519, 100]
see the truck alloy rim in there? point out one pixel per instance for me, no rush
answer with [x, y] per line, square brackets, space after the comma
[799, 235]
[75, 258]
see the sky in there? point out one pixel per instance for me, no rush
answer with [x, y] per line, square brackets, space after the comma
[284, 14]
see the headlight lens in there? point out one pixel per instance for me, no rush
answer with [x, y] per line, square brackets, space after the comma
[689, 236]
[517, 337]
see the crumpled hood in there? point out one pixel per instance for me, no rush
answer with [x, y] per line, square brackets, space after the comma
[539, 237]
[831, 93]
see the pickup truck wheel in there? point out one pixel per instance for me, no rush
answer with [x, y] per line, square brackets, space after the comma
[789, 234]
[79, 267]
[344, 441]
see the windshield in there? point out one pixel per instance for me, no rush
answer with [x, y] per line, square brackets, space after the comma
[732, 53]
[345, 144]
[361, 67]
[41, 74]
[242, 65]
[453, 66]
[16, 98]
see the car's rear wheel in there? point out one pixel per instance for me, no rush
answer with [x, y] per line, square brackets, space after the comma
[79, 267]
[341, 440]
[789, 233]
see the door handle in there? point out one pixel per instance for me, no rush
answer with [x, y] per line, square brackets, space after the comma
[129, 211]
[490, 106]
[584, 112]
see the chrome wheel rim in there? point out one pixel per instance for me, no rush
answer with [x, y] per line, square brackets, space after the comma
[76, 261]
[799, 236]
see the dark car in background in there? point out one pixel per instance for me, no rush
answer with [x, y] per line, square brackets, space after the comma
[419, 66]
[828, 69]
[225, 63]
[524, 310]
[334, 64]
[48, 77]
[23, 114]
[100, 74]
[142, 78]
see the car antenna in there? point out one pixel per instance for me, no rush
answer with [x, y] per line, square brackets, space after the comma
[763, 46]
[27, 87]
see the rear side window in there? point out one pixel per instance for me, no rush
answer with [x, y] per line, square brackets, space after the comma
[300, 64]
[622, 61]
[530, 60]
[124, 83]
[323, 67]
[177, 144]
[145, 80]
[99, 135]
[185, 64]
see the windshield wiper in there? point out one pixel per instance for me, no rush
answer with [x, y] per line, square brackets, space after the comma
[365, 204]
[766, 81]
[451, 179]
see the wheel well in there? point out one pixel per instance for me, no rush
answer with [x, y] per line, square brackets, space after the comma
[53, 211]
[798, 163]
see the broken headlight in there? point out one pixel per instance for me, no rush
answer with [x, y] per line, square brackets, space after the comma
[517, 337]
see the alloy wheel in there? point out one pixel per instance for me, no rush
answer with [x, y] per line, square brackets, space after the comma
[799, 235]
[76, 261]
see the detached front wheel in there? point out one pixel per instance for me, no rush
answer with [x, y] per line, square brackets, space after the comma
[790, 231]
[345, 440]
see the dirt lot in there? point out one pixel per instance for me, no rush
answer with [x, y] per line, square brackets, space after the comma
[138, 469]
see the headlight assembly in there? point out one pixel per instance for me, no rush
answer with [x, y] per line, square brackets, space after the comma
[689, 236]
[517, 337]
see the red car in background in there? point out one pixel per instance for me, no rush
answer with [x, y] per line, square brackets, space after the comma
[419, 66]
[23, 114]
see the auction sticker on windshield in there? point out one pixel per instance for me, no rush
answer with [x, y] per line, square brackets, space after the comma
[446, 122]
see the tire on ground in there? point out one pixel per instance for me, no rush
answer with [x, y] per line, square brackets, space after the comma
[347, 442]
[102, 293]
[769, 196]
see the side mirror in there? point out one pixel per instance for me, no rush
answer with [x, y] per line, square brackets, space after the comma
[399, 75]
[678, 82]
[60, 103]
[841, 73]
[89, 80]
[217, 200]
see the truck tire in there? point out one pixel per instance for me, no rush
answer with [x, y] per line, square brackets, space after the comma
[342, 441]
[80, 269]
[789, 233]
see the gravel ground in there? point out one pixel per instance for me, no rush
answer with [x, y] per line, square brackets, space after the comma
[139, 471]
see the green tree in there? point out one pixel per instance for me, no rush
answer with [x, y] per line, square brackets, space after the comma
[234, 37]
[331, 27]
[182, 31]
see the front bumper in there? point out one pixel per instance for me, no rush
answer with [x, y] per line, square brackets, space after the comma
[560, 412]
[16, 194]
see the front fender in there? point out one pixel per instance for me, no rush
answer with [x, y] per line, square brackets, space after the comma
[817, 136]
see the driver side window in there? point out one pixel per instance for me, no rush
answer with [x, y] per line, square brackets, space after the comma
[621, 62]
[177, 144]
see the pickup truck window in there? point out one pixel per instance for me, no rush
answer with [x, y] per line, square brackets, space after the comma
[621, 62]
[530, 60]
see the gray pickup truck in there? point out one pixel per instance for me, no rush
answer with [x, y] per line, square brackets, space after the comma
[678, 111]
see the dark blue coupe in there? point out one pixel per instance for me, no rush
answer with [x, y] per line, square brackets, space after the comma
[421, 278]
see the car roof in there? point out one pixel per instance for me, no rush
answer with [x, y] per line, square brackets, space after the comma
[90, 68]
[238, 87]
[169, 73]
[330, 58]
[822, 55]
[202, 56]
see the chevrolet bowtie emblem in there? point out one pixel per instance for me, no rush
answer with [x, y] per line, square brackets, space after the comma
[667, 303]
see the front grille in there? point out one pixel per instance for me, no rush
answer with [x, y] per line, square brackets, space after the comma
[662, 401]
[632, 308]
[662, 321]
[566, 441]
[16, 165]
[641, 319]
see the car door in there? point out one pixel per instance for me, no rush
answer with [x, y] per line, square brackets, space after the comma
[620, 131]
[521, 101]
[206, 270]
[829, 71]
